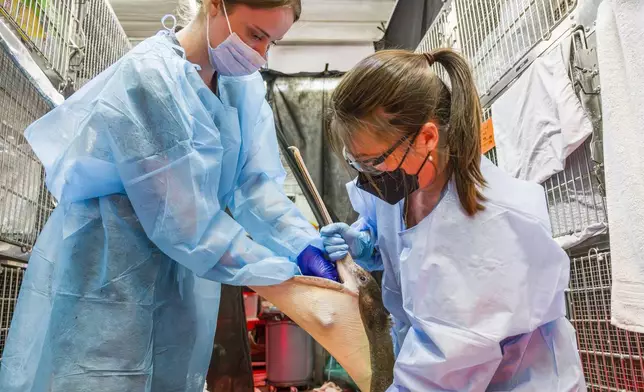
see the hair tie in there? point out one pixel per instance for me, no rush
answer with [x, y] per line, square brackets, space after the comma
[430, 58]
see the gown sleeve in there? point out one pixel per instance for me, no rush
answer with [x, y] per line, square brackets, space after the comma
[169, 156]
[259, 203]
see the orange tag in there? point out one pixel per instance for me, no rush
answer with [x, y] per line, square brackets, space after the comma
[487, 136]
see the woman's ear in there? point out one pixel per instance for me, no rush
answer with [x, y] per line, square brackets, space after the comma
[429, 136]
[213, 9]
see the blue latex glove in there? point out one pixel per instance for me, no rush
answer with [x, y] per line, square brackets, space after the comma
[340, 239]
[313, 263]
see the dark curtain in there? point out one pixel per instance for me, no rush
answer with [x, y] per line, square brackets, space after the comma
[231, 369]
[300, 104]
[409, 23]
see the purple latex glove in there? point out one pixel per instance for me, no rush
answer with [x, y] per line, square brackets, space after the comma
[313, 263]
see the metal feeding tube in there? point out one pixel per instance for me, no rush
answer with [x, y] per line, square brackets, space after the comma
[346, 264]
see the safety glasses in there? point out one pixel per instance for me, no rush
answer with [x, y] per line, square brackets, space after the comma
[368, 166]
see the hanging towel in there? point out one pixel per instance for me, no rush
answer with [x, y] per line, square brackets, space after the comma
[569, 241]
[620, 38]
[539, 121]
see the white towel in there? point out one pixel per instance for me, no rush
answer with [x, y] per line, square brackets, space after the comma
[539, 121]
[620, 40]
[569, 241]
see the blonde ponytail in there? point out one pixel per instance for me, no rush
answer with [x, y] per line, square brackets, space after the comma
[464, 136]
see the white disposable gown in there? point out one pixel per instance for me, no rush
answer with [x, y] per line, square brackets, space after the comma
[478, 303]
[123, 287]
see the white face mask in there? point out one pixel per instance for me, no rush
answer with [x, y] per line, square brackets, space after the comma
[233, 57]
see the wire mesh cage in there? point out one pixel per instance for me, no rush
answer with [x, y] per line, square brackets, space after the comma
[612, 358]
[441, 34]
[438, 35]
[496, 37]
[25, 203]
[574, 199]
[46, 26]
[105, 42]
[11, 275]
[496, 34]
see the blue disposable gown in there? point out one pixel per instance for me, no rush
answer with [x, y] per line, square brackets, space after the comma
[123, 286]
[478, 303]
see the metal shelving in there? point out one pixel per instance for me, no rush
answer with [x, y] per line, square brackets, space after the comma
[104, 42]
[11, 275]
[71, 41]
[496, 34]
[574, 199]
[501, 38]
[52, 30]
[25, 204]
[47, 27]
[613, 359]
[441, 34]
